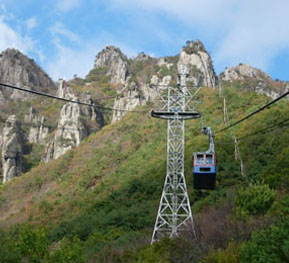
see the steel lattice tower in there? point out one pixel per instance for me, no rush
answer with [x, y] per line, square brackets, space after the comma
[174, 214]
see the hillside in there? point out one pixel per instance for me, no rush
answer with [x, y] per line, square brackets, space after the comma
[105, 193]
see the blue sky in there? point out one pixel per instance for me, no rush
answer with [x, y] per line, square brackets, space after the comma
[64, 36]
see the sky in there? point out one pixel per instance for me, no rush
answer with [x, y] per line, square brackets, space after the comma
[64, 36]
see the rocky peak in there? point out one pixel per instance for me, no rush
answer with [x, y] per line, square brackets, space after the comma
[142, 56]
[194, 47]
[195, 57]
[243, 71]
[116, 63]
[12, 154]
[255, 80]
[18, 69]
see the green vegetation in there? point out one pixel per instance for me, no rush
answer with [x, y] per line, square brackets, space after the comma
[32, 246]
[254, 199]
[98, 74]
[270, 245]
[101, 199]
[229, 255]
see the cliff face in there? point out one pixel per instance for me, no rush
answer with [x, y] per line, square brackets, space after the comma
[137, 87]
[72, 128]
[18, 69]
[12, 155]
[115, 62]
[131, 81]
[255, 80]
[69, 132]
[195, 57]
[243, 71]
[38, 132]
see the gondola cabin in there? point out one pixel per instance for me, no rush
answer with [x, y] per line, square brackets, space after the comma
[204, 170]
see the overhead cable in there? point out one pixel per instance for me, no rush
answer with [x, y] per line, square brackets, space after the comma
[253, 113]
[267, 130]
[67, 100]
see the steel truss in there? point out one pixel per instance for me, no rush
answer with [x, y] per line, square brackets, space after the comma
[174, 214]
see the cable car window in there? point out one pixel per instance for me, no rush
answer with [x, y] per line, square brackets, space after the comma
[200, 159]
[209, 159]
[205, 169]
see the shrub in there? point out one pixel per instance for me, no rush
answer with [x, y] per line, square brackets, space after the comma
[229, 255]
[32, 244]
[254, 199]
[270, 245]
[45, 206]
[69, 251]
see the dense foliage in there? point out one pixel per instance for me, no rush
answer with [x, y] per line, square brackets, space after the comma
[254, 199]
[100, 200]
[32, 246]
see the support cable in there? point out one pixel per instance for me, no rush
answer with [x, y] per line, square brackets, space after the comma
[67, 100]
[253, 113]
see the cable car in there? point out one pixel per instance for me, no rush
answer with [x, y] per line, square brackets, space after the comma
[204, 165]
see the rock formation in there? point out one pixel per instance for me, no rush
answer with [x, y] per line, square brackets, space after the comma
[142, 56]
[115, 62]
[164, 62]
[38, 132]
[71, 128]
[195, 57]
[69, 133]
[12, 149]
[18, 69]
[256, 80]
[62, 88]
[243, 71]
[92, 113]
[130, 98]
[138, 92]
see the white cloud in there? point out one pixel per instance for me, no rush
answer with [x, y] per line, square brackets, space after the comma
[244, 31]
[68, 62]
[67, 5]
[58, 30]
[9, 38]
[80, 59]
[31, 23]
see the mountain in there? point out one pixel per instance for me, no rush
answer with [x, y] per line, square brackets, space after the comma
[134, 78]
[49, 128]
[18, 69]
[254, 79]
[98, 193]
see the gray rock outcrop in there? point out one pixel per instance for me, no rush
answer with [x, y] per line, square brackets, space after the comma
[69, 133]
[62, 88]
[142, 56]
[38, 132]
[243, 71]
[129, 99]
[134, 95]
[18, 69]
[92, 113]
[164, 62]
[71, 128]
[255, 80]
[12, 154]
[116, 63]
[195, 57]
